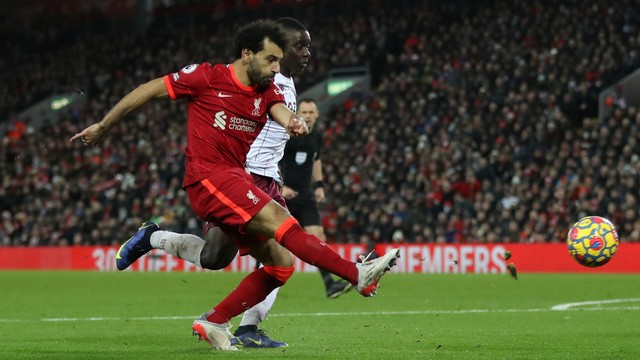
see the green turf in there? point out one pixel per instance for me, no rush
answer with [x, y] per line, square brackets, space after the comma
[413, 317]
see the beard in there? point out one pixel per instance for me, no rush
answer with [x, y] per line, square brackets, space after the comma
[257, 78]
[263, 85]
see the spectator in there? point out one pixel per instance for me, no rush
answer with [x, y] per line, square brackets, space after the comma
[482, 121]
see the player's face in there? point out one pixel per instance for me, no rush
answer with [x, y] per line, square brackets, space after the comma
[297, 55]
[310, 112]
[265, 64]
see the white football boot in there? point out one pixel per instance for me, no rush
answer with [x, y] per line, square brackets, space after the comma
[217, 335]
[370, 271]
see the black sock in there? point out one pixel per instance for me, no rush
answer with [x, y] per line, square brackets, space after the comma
[245, 329]
[326, 277]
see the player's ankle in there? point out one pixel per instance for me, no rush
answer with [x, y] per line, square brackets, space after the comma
[245, 329]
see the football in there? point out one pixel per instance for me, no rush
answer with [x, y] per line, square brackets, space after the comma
[592, 241]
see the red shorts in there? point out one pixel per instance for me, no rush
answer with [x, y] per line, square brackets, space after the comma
[229, 200]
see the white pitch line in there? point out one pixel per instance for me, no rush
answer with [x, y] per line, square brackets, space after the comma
[595, 302]
[361, 313]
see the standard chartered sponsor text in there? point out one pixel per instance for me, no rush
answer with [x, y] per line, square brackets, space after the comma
[242, 124]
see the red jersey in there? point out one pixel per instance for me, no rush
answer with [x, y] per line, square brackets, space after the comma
[223, 117]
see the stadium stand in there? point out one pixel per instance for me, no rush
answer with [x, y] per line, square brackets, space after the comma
[481, 127]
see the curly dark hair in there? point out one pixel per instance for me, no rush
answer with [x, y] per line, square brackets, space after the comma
[252, 35]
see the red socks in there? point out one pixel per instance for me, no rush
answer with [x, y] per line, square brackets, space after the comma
[252, 289]
[314, 251]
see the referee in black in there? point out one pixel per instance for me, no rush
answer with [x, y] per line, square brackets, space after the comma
[303, 187]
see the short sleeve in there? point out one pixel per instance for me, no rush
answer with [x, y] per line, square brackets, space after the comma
[189, 82]
[273, 96]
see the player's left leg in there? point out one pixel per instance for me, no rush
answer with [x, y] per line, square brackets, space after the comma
[214, 252]
[213, 326]
[248, 332]
[137, 245]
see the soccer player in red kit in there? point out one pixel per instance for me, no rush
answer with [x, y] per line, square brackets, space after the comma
[226, 109]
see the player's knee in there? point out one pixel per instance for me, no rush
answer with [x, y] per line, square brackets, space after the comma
[217, 259]
[281, 273]
[218, 252]
[213, 258]
[267, 219]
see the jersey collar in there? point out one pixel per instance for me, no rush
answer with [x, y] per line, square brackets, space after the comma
[235, 79]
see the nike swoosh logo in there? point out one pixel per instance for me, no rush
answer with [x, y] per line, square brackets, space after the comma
[259, 342]
[220, 94]
[118, 257]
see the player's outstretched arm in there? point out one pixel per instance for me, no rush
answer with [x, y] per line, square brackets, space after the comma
[154, 89]
[295, 124]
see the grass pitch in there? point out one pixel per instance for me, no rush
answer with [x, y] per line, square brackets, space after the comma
[87, 315]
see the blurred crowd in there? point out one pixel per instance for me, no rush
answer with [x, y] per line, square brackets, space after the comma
[481, 127]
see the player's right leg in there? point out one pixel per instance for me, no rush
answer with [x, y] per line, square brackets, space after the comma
[274, 221]
[305, 210]
[333, 288]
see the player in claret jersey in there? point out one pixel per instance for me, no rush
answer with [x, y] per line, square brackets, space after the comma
[226, 109]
